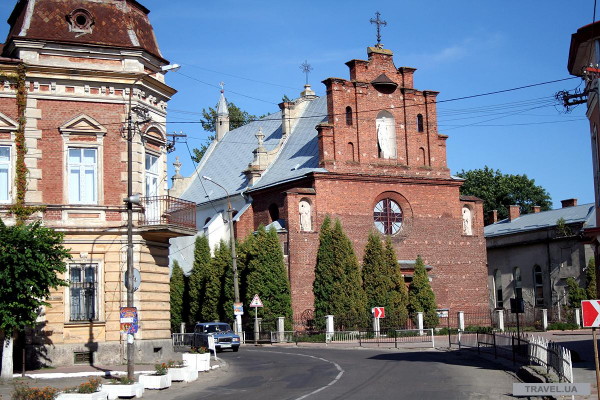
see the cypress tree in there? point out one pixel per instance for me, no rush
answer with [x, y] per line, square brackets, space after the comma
[326, 273]
[209, 309]
[590, 280]
[377, 280]
[421, 297]
[267, 277]
[177, 286]
[223, 266]
[399, 293]
[197, 283]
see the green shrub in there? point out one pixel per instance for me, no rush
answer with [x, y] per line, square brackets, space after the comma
[161, 369]
[562, 326]
[24, 392]
[122, 381]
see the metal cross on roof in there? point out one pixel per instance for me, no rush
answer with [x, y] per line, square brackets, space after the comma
[306, 68]
[379, 23]
[222, 84]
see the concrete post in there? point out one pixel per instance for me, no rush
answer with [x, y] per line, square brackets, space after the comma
[461, 320]
[328, 327]
[500, 320]
[545, 319]
[182, 327]
[578, 316]
[280, 329]
[420, 322]
[376, 326]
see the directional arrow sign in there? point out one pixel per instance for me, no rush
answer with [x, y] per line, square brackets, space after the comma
[591, 313]
[378, 312]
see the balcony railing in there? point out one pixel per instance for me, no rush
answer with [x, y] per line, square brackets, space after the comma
[167, 210]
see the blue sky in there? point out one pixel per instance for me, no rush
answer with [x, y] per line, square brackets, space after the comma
[459, 48]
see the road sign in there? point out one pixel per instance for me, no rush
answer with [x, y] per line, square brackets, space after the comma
[591, 313]
[256, 302]
[137, 279]
[238, 309]
[378, 312]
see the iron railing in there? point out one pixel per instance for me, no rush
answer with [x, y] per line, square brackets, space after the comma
[167, 210]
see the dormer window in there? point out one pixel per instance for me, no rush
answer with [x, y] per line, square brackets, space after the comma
[80, 21]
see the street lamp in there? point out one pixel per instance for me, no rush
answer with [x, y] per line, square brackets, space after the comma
[130, 200]
[236, 288]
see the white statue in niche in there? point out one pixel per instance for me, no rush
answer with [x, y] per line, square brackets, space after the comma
[467, 221]
[305, 217]
[386, 134]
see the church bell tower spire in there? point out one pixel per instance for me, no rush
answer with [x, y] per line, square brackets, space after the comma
[222, 125]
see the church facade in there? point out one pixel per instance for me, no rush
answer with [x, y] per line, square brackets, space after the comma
[85, 66]
[368, 153]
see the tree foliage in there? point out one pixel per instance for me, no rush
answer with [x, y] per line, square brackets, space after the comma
[421, 297]
[222, 265]
[266, 276]
[575, 293]
[499, 191]
[590, 280]
[399, 298]
[237, 118]
[177, 288]
[338, 285]
[198, 276]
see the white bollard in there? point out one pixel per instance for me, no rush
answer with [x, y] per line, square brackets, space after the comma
[578, 317]
[182, 327]
[500, 320]
[280, 329]
[461, 320]
[544, 319]
[328, 328]
[420, 322]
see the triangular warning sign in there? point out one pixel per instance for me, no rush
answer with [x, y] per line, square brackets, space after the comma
[256, 302]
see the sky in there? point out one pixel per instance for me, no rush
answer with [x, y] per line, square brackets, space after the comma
[460, 48]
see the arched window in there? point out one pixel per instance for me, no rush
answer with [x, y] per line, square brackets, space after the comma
[538, 282]
[387, 215]
[422, 155]
[351, 150]
[419, 122]
[517, 284]
[386, 134]
[498, 289]
[348, 115]
[274, 212]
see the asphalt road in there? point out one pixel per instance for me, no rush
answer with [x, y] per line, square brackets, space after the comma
[265, 373]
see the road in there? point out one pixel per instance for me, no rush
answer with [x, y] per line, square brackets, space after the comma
[256, 373]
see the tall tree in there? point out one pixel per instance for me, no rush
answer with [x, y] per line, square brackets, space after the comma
[32, 258]
[590, 280]
[177, 287]
[212, 289]
[267, 277]
[326, 273]
[421, 297]
[200, 270]
[377, 281]
[237, 118]
[499, 191]
[223, 266]
[399, 294]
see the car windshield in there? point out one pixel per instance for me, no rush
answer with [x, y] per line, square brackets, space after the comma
[217, 328]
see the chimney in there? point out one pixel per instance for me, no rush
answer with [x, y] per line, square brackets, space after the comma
[537, 209]
[568, 203]
[493, 216]
[514, 212]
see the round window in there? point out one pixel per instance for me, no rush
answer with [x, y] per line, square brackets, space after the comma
[387, 215]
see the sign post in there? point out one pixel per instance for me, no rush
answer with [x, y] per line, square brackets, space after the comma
[591, 319]
[378, 312]
[256, 303]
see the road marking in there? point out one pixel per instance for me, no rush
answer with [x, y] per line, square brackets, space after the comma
[333, 382]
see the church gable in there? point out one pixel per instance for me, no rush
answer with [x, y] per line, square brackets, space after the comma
[379, 123]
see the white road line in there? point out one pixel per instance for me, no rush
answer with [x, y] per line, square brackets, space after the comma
[334, 381]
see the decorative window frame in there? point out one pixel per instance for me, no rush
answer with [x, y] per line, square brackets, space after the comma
[8, 127]
[100, 296]
[81, 21]
[407, 214]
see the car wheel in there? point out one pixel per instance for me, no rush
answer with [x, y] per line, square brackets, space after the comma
[235, 349]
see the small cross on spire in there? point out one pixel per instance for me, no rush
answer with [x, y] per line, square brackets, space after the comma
[379, 23]
[222, 84]
[306, 68]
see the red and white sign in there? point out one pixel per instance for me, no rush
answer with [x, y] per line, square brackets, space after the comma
[256, 302]
[378, 312]
[591, 313]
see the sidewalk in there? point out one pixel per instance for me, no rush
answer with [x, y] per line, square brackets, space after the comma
[67, 377]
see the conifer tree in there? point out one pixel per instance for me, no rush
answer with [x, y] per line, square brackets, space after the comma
[209, 309]
[421, 297]
[177, 286]
[198, 276]
[223, 266]
[267, 277]
[399, 295]
[590, 279]
[326, 273]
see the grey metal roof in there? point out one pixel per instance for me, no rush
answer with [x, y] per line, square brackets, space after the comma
[226, 160]
[528, 222]
[222, 105]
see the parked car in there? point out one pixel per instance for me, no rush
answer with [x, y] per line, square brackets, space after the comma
[224, 336]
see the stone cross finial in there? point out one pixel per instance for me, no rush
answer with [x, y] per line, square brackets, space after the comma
[379, 23]
[177, 164]
[260, 136]
[306, 68]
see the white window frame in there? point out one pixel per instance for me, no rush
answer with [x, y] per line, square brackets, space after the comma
[9, 181]
[82, 170]
[149, 173]
[96, 288]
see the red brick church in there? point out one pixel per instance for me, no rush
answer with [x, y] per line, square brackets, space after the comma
[370, 154]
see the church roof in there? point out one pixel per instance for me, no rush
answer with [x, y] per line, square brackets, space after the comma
[225, 160]
[584, 213]
[222, 105]
[120, 23]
